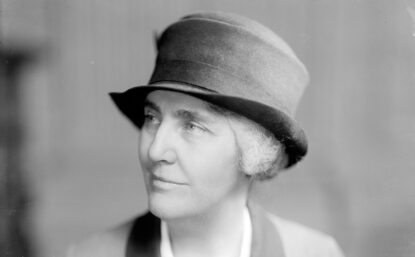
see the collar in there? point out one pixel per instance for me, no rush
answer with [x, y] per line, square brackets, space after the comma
[145, 236]
[165, 245]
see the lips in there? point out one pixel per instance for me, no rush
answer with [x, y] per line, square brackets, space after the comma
[166, 180]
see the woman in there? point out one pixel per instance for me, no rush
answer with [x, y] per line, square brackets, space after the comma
[216, 116]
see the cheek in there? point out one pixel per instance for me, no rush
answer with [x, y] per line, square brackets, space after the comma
[143, 156]
[214, 167]
[143, 146]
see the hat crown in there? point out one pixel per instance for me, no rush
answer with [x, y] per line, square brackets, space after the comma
[242, 22]
[231, 55]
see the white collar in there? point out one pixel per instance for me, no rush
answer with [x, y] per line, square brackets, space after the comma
[166, 250]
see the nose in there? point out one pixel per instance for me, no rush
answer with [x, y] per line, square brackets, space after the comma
[162, 146]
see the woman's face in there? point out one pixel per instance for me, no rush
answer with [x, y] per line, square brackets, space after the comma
[189, 156]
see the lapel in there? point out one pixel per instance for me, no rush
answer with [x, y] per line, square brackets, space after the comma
[266, 241]
[144, 238]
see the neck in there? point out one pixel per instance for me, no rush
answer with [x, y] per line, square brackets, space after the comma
[217, 232]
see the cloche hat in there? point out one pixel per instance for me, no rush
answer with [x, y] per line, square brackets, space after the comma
[235, 63]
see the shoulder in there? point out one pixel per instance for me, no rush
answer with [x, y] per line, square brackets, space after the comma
[299, 240]
[108, 243]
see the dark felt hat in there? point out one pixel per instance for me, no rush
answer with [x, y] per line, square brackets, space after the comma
[235, 63]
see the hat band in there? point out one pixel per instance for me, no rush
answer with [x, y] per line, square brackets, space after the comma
[210, 78]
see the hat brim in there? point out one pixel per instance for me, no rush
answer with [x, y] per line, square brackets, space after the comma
[284, 128]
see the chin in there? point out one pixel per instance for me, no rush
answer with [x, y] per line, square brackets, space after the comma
[169, 209]
[165, 208]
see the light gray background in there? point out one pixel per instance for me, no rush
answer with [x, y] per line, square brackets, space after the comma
[357, 182]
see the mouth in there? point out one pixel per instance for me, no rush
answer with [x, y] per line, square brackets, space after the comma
[158, 179]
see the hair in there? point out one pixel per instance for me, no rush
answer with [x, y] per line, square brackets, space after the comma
[261, 156]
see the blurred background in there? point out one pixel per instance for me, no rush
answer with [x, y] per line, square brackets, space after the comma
[68, 159]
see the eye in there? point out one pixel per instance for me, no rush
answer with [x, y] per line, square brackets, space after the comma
[150, 119]
[194, 128]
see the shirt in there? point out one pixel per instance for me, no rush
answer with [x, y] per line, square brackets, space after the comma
[165, 245]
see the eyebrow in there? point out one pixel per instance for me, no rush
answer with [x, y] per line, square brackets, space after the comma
[184, 113]
[149, 104]
[193, 116]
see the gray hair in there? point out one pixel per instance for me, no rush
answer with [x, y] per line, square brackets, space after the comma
[262, 156]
